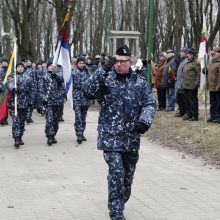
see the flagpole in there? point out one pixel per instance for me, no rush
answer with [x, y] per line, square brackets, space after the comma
[64, 26]
[206, 88]
[15, 76]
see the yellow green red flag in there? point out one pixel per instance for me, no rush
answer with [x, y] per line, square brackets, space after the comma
[4, 96]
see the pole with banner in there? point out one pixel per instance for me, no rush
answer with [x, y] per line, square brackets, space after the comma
[65, 24]
[15, 76]
[206, 87]
[62, 54]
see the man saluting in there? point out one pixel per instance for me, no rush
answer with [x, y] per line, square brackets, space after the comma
[127, 110]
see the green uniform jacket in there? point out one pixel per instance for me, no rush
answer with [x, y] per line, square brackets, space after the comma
[191, 75]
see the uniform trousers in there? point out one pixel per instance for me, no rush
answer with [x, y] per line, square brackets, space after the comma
[120, 175]
[80, 119]
[53, 114]
[18, 123]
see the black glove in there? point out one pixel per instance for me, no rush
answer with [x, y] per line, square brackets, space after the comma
[205, 70]
[14, 91]
[140, 127]
[53, 75]
[45, 103]
[108, 66]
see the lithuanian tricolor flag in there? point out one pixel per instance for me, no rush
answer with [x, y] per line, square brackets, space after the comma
[203, 51]
[5, 94]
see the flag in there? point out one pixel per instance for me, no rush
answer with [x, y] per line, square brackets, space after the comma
[62, 54]
[62, 57]
[4, 96]
[203, 51]
[171, 76]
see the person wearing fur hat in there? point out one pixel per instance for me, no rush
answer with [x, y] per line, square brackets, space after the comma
[214, 85]
[25, 94]
[127, 111]
[80, 103]
[190, 85]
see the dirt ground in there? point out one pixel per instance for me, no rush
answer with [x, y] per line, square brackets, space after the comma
[198, 139]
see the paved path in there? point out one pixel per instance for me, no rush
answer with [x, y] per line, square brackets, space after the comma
[66, 181]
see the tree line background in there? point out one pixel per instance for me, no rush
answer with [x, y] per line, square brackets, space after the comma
[36, 24]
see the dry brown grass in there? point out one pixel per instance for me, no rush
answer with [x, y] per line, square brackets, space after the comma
[196, 138]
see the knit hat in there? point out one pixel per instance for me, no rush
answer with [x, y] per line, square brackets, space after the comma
[19, 63]
[5, 60]
[123, 50]
[80, 59]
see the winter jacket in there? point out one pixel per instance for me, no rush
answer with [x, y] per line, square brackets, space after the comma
[214, 75]
[191, 75]
[179, 75]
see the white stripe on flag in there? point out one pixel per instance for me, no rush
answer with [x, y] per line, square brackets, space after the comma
[64, 61]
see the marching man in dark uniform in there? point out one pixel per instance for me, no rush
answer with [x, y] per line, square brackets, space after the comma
[25, 96]
[127, 111]
[80, 103]
[51, 85]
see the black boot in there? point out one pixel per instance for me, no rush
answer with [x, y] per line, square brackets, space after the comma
[84, 138]
[5, 122]
[186, 117]
[17, 142]
[49, 141]
[54, 140]
[119, 218]
[79, 139]
[179, 114]
[61, 119]
[194, 118]
[21, 142]
[29, 121]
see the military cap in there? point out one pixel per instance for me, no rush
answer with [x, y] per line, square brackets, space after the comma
[123, 50]
[184, 49]
[169, 51]
[49, 63]
[191, 51]
[28, 58]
